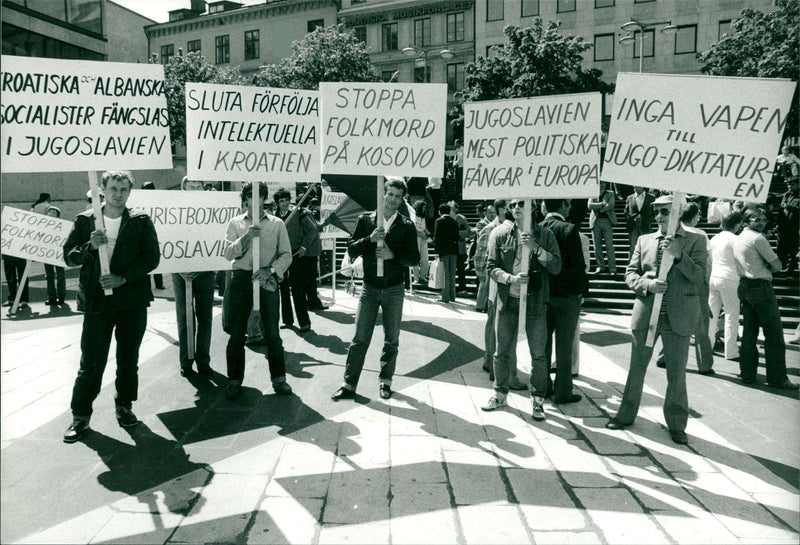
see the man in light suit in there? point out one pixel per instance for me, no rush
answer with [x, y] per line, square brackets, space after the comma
[676, 322]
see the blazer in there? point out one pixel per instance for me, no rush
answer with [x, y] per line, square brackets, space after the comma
[401, 238]
[639, 218]
[685, 280]
[572, 279]
[604, 203]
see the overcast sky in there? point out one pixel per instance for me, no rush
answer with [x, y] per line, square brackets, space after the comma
[158, 10]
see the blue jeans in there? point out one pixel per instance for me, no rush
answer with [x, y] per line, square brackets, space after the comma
[128, 327]
[391, 301]
[760, 309]
[203, 294]
[240, 290]
[506, 327]
[490, 341]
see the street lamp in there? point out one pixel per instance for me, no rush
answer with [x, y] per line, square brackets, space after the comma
[635, 26]
[421, 54]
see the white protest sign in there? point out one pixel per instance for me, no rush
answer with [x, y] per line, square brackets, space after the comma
[542, 147]
[330, 202]
[33, 236]
[706, 135]
[236, 133]
[64, 115]
[383, 128]
[191, 226]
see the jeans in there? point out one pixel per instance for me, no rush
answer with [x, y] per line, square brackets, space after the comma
[760, 309]
[506, 326]
[391, 301]
[128, 327]
[722, 295]
[297, 280]
[240, 291]
[676, 399]
[449, 288]
[203, 295]
[56, 282]
[563, 314]
[14, 268]
[490, 341]
[603, 234]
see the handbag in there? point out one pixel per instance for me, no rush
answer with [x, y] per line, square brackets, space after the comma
[436, 275]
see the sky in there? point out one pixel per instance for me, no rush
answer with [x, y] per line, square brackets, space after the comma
[158, 10]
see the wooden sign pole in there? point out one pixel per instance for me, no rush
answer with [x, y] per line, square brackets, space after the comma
[379, 219]
[102, 251]
[523, 289]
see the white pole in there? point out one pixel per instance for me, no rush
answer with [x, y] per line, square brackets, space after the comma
[379, 220]
[102, 251]
[333, 265]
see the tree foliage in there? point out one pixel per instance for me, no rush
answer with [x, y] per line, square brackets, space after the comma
[533, 61]
[194, 68]
[761, 45]
[327, 54]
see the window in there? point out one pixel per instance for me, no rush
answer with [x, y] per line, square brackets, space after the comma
[361, 34]
[389, 39]
[216, 8]
[315, 24]
[192, 45]
[455, 27]
[422, 32]
[647, 44]
[686, 39]
[388, 75]
[167, 52]
[494, 10]
[455, 77]
[564, 6]
[422, 74]
[724, 28]
[222, 49]
[530, 8]
[603, 4]
[252, 48]
[604, 47]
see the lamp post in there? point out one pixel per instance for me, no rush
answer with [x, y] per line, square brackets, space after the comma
[421, 54]
[635, 26]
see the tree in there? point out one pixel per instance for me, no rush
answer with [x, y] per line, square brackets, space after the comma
[761, 45]
[194, 68]
[533, 61]
[327, 54]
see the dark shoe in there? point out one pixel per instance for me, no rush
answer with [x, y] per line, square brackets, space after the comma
[76, 430]
[749, 380]
[320, 307]
[486, 368]
[679, 437]
[287, 326]
[615, 424]
[305, 329]
[60, 301]
[125, 417]
[661, 364]
[204, 370]
[385, 391]
[343, 393]
[736, 359]
[517, 385]
[573, 398]
[51, 302]
[785, 386]
[282, 388]
[233, 391]
[186, 370]
[706, 372]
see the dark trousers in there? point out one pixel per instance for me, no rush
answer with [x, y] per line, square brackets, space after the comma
[563, 314]
[203, 296]
[312, 298]
[788, 239]
[240, 291]
[461, 267]
[56, 282]
[128, 328]
[293, 290]
[760, 310]
[14, 268]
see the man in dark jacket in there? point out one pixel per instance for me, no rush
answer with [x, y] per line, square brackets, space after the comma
[133, 251]
[566, 291]
[445, 242]
[386, 292]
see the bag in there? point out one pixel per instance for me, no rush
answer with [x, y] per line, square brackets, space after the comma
[436, 275]
[352, 269]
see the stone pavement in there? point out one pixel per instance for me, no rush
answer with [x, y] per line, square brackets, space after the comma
[427, 466]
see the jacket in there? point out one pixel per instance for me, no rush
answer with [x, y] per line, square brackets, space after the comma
[136, 253]
[445, 236]
[401, 238]
[636, 218]
[303, 232]
[572, 279]
[605, 203]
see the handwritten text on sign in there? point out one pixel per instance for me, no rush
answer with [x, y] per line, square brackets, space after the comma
[33, 236]
[383, 128]
[698, 134]
[190, 225]
[330, 202]
[62, 115]
[251, 133]
[543, 147]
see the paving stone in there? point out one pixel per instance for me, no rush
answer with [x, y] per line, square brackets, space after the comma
[619, 516]
[475, 483]
[437, 527]
[544, 500]
[175, 496]
[652, 486]
[286, 520]
[607, 442]
[137, 528]
[409, 499]
[785, 506]
[68, 532]
[417, 459]
[694, 526]
[492, 523]
[518, 447]
[357, 495]
[377, 533]
[578, 465]
[567, 538]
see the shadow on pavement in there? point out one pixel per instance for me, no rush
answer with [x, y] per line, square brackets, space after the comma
[458, 352]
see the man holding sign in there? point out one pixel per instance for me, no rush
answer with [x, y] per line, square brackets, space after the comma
[677, 320]
[133, 250]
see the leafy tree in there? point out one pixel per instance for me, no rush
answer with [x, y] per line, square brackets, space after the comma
[533, 61]
[327, 54]
[192, 67]
[761, 45]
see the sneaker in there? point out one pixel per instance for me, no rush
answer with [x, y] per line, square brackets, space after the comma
[233, 391]
[494, 402]
[282, 388]
[125, 417]
[76, 430]
[537, 413]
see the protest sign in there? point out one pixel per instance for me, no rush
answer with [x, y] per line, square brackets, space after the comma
[330, 202]
[542, 147]
[383, 128]
[64, 115]
[236, 133]
[707, 135]
[191, 226]
[33, 236]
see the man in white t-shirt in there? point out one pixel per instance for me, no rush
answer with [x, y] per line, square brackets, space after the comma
[724, 283]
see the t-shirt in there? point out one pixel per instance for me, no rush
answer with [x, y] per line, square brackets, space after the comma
[112, 232]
